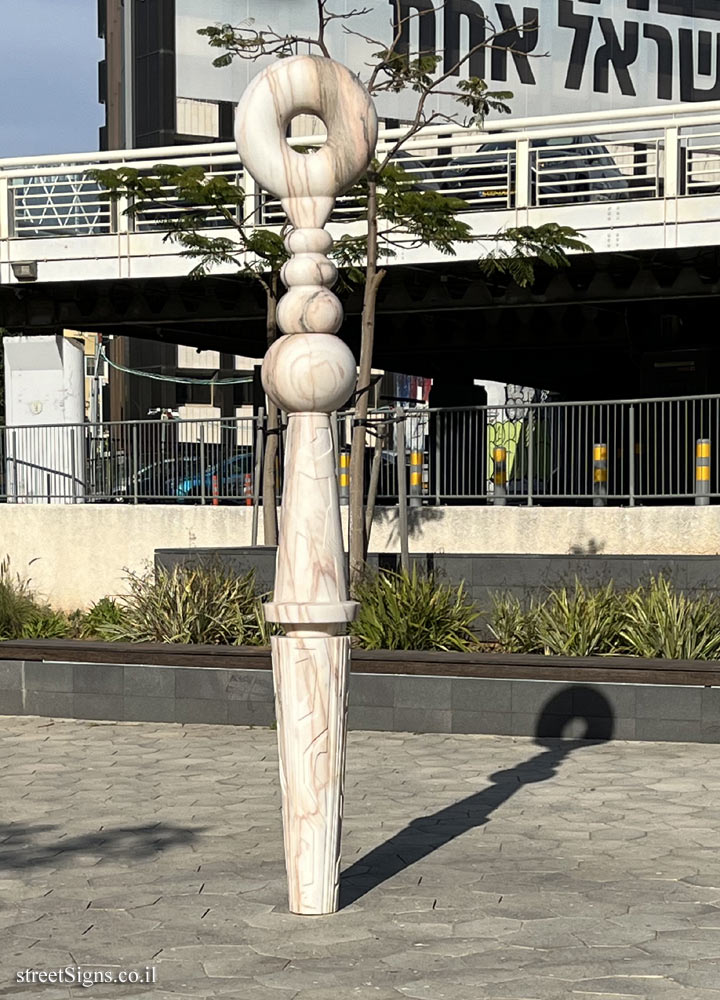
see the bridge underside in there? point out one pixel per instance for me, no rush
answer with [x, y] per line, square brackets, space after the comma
[610, 325]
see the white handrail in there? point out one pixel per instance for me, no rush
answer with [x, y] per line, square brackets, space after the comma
[614, 120]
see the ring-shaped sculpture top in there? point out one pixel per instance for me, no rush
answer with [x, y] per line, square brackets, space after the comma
[307, 184]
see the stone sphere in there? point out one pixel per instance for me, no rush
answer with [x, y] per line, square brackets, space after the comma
[312, 270]
[312, 372]
[308, 241]
[309, 310]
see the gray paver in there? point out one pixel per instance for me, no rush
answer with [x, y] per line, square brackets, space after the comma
[478, 867]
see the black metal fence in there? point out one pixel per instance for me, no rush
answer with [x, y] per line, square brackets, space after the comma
[625, 452]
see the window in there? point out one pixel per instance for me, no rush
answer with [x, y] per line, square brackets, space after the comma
[202, 417]
[90, 370]
[245, 427]
[200, 118]
[190, 357]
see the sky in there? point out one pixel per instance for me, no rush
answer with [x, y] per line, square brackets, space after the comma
[49, 53]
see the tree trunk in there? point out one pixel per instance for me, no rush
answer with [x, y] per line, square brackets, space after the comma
[373, 279]
[269, 483]
[373, 484]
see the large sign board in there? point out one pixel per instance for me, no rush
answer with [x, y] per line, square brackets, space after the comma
[556, 56]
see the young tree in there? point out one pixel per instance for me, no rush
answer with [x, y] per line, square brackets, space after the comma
[189, 202]
[398, 213]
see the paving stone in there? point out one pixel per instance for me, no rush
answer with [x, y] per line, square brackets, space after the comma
[483, 867]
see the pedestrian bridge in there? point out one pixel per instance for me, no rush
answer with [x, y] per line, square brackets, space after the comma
[646, 179]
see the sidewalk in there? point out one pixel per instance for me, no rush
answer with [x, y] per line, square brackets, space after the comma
[477, 868]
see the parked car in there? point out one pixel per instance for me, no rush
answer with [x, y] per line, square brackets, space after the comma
[562, 171]
[156, 480]
[227, 479]
[423, 173]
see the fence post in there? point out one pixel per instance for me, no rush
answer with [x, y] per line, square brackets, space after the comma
[202, 464]
[259, 457]
[499, 476]
[402, 490]
[672, 162]
[334, 433]
[252, 198]
[73, 464]
[522, 173]
[135, 462]
[6, 210]
[702, 472]
[14, 466]
[438, 454]
[631, 470]
[531, 456]
[599, 475]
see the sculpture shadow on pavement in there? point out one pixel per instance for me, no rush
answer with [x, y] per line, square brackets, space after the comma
[428, 833]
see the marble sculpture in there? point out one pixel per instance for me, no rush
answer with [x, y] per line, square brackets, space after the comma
[309, 372]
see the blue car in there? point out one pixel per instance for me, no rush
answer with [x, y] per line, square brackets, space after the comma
[230, 480]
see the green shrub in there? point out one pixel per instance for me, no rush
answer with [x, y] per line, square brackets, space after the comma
[657, 622]
[649, 621]
[584, 621]
[22, 614]
[46, 623]
[99, 621]
[514, 626]
[17, 602]
[413, 611]
[208, 605]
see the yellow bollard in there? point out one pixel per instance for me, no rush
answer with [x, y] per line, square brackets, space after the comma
[500, 476]
[702, 472]
[344, 477]
[600, 475]
[416, 483]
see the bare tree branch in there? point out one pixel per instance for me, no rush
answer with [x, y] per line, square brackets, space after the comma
[321, 28]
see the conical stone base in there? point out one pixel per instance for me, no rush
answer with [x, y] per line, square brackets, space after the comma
[311, 685]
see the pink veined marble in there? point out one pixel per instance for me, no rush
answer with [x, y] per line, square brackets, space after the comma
[309, 372]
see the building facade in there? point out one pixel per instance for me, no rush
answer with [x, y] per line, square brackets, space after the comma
[554, 56]
[159, 86]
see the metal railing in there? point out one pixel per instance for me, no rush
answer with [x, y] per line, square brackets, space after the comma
[649, 451]
[647, 153]
[183, 461]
